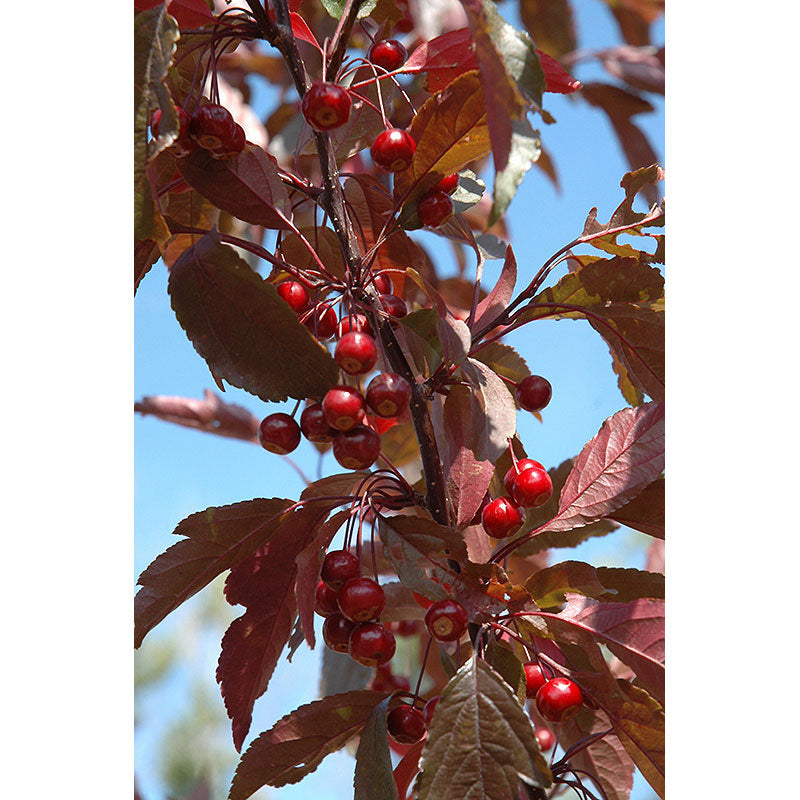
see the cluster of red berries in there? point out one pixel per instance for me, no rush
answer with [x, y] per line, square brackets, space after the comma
[557, 699]
[211, 127]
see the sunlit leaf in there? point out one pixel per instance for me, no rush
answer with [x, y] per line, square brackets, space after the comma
[550, 24]
[524, 150]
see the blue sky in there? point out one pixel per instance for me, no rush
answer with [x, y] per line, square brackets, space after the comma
[179, 471]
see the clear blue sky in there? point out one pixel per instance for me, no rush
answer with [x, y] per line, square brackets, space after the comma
[179, 471]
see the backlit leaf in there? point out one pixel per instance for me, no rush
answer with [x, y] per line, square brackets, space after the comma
[246, 186]
[524, 150]
[336, 8]
[504, 360]
[324, 241]
[500, 296]
[645, 512]
[550, 24]
[373, 779]
[443, 58]
[217, 539]
[241, 327]
[297, 743]
[480, 741]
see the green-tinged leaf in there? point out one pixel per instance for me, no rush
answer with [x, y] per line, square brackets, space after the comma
[217, 539]
[645, 512]
[373, 779]
[633, 395]
[548, 586]
[525, 149]
[399, 444]
[509, 667]
[550, 24]
[297, 743]
[422, 339]
[241, 327]
[606, 760]
[336, 8]
[341, 674]
[450, 131]
[480, 743]
[505, 361]
[324, 241]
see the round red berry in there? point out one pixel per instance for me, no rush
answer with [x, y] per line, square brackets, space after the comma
[532, 488]
[448, 184]
[212, 126]
[279, 433]
[502, 517]
[382, 283]
[393, 305]
[321, 321]
[326, 106]
[325, 601]
[233, 146]
[388, 394]
[446, 620]
[357, 448]
[393, 150]
[315, 426]
[534, 678]
[361, 599]
[338, 567]
[429, 709]
[388, 54]
[371, 644]
[545, 738]
[336, 632]
[356, 353]
[354, 323]
[434, 209]
[559, 700]
[405, 724]
[295, 294]
[522, 464]
[533, 393]
[343, 407]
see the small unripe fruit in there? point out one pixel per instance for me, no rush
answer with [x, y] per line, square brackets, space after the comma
[388, 394]
[405, 724]
[388, 54]
[532, 488]
[279, 433]
[326, 106]
[343, 407]
[533, 393]
[371, 644]
[356, 353]
[434, 209]
[559, 700]
[502, 517]
[393, 150]
[336, 632]
[315, 426]
[357, 448]
[294, 294]
[446, 620]
[338, 567]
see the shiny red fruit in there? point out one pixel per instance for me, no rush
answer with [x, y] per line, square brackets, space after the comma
[502, 517]
[388, 394]
[356, 353]
[343, 407]
[315, 426]
[279, 433]
[559, 700]
[295, 294]
[325, 601]
[533, 393]
[336, 632]
[338, 567]
[326, 106]
[448, 184]
[233, 146]
[429, 710]
[522, 464]
[357, 448]
[545, 738]
[354, 323]
[405, 724]
[393, 150]
[322, 321]
[382, 283]
[371, 644]
[388, 54]
[361, 599]
[393, 305]
[212, 126]
[434, 209]
[534, 678]
[446, 620]
[532, 488]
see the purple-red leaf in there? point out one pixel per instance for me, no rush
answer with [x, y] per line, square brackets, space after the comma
[247, 186]
[645, 512]
[217, 539]
[298, 742]
[498, 299]
[443, 58]
[625, 456]
[557, 79]
[550, 25]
